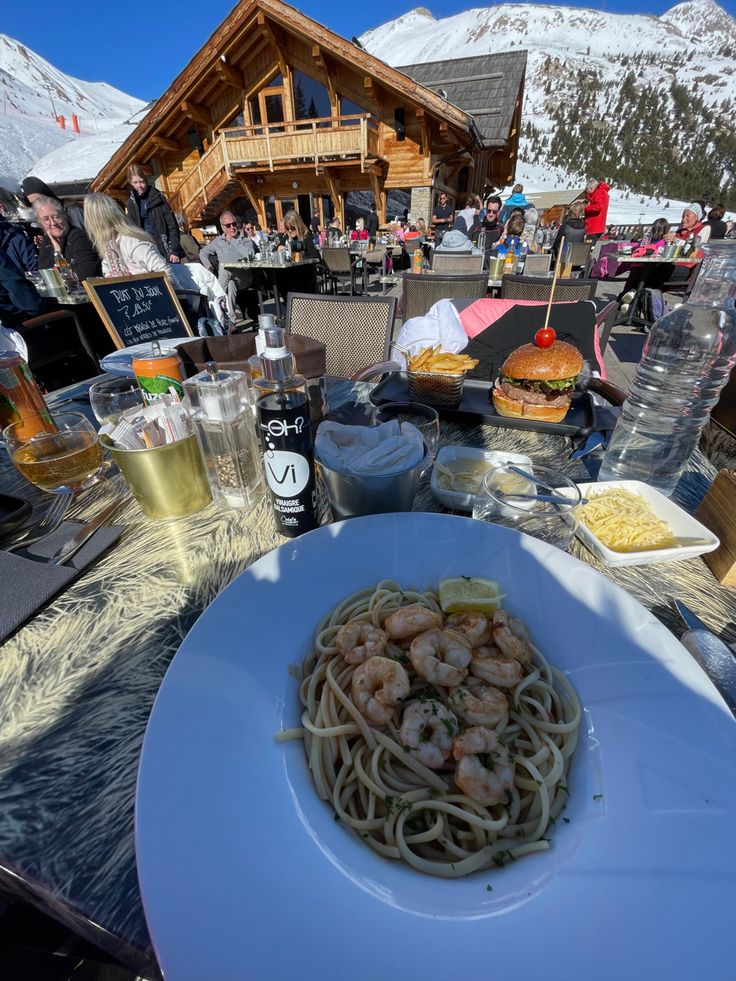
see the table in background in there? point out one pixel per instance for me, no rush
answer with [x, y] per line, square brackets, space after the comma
[634, 315]
[78, 682]
[277, 276]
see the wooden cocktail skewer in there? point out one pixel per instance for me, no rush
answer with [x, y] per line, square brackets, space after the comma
[554, 280]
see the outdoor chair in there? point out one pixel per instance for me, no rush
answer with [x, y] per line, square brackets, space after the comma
[444, 262]
[374, 261]
[420, 292]
[340, 268]
[579, 254]
[58, 352]
[536, 288]
[537, 265]
[355, 330]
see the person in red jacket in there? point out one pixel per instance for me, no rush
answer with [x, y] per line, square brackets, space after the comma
[596, 210]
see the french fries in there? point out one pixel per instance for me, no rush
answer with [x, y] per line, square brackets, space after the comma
[434, 359]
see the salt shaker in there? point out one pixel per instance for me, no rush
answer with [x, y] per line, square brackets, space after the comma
[219, 404]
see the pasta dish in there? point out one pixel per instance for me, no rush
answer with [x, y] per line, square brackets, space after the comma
[442, 739]
[624, 522]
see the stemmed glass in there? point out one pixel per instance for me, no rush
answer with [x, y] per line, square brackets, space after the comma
[422, 417]
[58, 456]
[114, 396]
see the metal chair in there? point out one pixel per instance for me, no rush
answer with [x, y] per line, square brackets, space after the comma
[537, 265]
[356, 331]
[340, 267]
[374, 259]
[445, 262]
[536, 288]
[420, 292]
[58, 352]
[579, 254]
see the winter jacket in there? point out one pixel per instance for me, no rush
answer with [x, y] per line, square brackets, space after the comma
[718, 228]
[574, 231]
[163, 223]
[19, 248]
[515, 201]
[78, 252]
[136, 256]
[189, 246]
[224, 250]
[371, 224]
[596, 210]
[19, 299]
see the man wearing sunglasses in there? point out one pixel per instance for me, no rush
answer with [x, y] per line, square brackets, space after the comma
[232, 247]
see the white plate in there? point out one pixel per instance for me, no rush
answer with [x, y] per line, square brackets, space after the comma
[118, 362]
[458, 500]
[245, 874]
[682, 525]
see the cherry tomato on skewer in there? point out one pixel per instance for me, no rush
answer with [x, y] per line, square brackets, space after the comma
[545, 337]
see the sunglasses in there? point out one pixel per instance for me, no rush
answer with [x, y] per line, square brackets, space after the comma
[229, 224]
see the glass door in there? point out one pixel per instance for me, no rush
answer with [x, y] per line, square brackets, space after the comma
[271, 105]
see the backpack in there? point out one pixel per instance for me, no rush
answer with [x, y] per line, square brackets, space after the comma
[653, 306]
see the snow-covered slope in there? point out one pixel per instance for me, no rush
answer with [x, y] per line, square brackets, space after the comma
[33, 92]
[583, 57]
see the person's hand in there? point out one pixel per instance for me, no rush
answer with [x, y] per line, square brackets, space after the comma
[38, 240]
[670, 237]
[281, 248]
[174, 258]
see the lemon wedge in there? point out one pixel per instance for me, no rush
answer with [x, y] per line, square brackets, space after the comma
[469, 595]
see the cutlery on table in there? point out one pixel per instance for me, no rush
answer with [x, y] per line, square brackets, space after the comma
[48, 524]
[520, 472]
[546, 498]
[712, 654]
[72, 545]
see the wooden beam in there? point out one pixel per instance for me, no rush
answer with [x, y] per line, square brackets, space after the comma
[164, 144]
[379, 194]
[335, 193]
[228, 75]
[278, 47]
[256, 203]
[197, 114]
[371, 90]
[318, 57]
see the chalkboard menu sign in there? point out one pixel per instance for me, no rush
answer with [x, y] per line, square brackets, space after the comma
[136, 309]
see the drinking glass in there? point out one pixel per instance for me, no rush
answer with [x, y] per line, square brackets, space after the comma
[60, 456]
[552, 522]
[422, 417]
[114, 396]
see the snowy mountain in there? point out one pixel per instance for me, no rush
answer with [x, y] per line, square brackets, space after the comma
[33, 94]
[635, 99]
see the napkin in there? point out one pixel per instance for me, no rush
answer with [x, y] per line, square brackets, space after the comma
[385, 449]
[26, 585]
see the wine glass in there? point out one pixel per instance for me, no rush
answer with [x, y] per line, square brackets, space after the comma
[60, 456]
[422, 417]
[508, 498]
[114, 396]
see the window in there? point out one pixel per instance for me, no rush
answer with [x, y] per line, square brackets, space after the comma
[311, 98]
[348, 108]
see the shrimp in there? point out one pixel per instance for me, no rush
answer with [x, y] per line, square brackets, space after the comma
[479, 704]
[486, 777]
[407, 622]
[512, 637]
[357, 641]
[378, 685]
[427, 730]
[473, 626]
[476, 739]
[490, 665]
[440, 657]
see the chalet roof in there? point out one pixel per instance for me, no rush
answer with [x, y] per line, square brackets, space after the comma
[485, 86]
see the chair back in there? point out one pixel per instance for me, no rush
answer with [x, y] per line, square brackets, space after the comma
[356, 330]
[537, 265]
[420, 292]
[536, 288]
[376, 255]
[412, 245]
[579, 252]
[58, 353]
[445, 262]
[337, 260]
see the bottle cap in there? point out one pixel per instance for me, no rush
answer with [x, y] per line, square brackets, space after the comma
[278, 364]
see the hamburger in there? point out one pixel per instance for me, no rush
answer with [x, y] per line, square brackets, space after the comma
[538, 382]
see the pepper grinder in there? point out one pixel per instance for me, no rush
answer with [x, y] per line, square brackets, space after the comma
[219, 403]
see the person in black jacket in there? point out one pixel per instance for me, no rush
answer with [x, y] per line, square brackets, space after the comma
[715, 222]
[72, 243]
[573, 227]
[19, 299]
[149, 210]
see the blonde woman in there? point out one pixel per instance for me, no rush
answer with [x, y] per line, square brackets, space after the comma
[126, 250]
[298, 236]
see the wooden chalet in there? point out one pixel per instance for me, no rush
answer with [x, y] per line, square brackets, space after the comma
[280, 111]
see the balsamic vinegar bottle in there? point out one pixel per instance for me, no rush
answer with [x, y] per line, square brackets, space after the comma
[282, 414]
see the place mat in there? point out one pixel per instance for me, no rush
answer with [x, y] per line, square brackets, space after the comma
[26, 585]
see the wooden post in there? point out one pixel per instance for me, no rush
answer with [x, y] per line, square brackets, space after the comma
[316, 148]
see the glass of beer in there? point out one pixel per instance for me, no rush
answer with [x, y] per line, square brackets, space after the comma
[59, 457]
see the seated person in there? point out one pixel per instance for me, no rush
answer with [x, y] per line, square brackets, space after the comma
[19, 299]
[232, 247]
[413, 233]
[298, 238]
[64, 239]
[572, 227]
[467, 217]
[692, 224]
[456, 242]
[514, 230]
[18, 246]
[359, 233]
[33, 188]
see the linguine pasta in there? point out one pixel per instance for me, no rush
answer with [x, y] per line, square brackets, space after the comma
[404, 810]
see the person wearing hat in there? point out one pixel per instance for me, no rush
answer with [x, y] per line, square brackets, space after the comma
[692, 223]
[34, 188]
[457, 242]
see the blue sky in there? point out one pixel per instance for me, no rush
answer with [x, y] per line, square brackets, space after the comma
[140, 49]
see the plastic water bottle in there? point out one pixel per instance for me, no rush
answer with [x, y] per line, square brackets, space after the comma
[687, 360]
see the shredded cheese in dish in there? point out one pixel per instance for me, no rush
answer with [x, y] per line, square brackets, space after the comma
[624, 522]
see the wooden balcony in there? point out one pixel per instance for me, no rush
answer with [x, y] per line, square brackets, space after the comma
[315, 143]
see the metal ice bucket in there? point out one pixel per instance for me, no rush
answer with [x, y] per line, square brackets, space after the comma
[353, 495]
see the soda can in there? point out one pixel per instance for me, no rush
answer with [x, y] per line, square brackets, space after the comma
[21, 399]
[159, 374]
[417, 260]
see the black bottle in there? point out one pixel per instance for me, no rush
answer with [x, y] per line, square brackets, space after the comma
[282, 414]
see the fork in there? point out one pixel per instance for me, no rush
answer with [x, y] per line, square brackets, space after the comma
[48, 524]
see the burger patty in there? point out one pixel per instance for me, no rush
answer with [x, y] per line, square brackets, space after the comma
[557, 401]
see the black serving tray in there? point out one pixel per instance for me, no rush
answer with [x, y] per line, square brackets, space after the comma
[476, 406]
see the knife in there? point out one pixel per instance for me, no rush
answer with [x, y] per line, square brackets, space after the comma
[715, 658]
[72, 545]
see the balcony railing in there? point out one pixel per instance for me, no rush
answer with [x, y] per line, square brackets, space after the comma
[263, 147]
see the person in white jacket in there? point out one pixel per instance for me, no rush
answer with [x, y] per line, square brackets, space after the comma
[127, 250]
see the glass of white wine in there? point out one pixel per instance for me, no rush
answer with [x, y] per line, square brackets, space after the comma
[62, 455]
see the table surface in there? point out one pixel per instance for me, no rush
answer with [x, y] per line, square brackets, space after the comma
[260, 264]
[77, 683]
